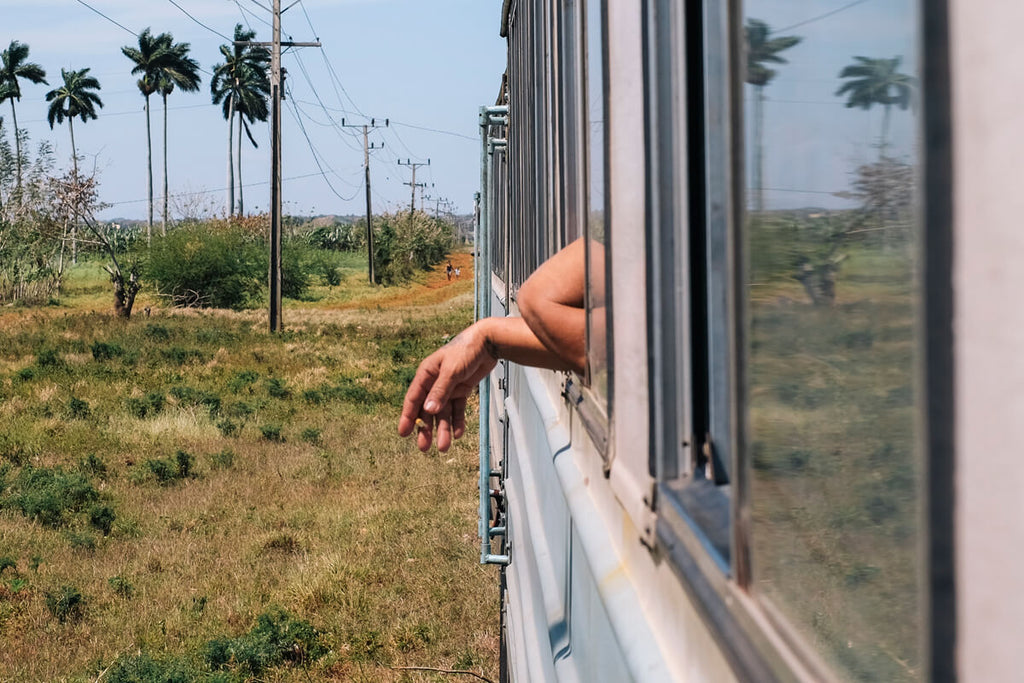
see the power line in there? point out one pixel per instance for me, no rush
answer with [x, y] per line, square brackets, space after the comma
[221, 189]
[820, 16]
[212, 30]
[316, 158]
[81, 2]
[437, 130]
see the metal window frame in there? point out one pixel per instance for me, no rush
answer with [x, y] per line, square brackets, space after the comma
[759, 643]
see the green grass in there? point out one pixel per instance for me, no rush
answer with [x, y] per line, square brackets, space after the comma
[833, 492]
[156, 530]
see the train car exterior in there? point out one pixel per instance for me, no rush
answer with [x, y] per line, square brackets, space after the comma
[792, 453]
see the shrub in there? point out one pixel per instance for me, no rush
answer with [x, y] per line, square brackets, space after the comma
[102, 351]
[167, 471]
[223, 460]
[277, 638]
[222, 266]
[78, 409]
[142, 668]
[102, 517]
[277, 389]
[82, 541]
[227, 427]
[311, 435]
[51, 496]
[404, 243]
[48, 358]
[92, 464]
[66, 604]
[272, 432]
[121, 586]
[242, 380]
[8, 562]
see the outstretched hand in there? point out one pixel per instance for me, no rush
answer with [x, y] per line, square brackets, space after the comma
[436, 398]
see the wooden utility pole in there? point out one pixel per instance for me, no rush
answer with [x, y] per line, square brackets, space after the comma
[413, 185]
[275, 160]
[369, 205]
[275, 171]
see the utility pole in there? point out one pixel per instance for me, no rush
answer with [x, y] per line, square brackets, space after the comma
[369, 206]
[275, 159]
[413, 185]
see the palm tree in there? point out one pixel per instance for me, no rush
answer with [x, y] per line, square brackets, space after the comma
[241, 85]
[76, 98]
[181, 71]
[761, 50]
[12, 68]
[150, 58]
[877, 81]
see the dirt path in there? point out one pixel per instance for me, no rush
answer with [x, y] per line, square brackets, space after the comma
[435, 288]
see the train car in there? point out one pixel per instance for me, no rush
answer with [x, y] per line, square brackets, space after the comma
[794, 452]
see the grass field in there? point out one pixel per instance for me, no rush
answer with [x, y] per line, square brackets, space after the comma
[185, 497]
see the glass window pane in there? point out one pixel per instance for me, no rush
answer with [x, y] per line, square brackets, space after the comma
[596, 225]
[831, 236]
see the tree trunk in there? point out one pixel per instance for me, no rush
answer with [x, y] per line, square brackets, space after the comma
[241, 206]
[149, 171]
[17, 150]
[74, 215]
[163, 227]
[229, 207]
[124, 292]
[758, 150]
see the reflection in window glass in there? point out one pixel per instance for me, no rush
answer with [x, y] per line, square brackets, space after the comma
[596, 225]
[832, 209]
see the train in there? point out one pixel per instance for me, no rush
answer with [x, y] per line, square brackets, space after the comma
[794, 452]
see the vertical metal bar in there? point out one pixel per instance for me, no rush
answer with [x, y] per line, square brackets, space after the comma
[482, 267]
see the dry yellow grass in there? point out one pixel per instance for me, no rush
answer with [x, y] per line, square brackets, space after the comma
[341, 523]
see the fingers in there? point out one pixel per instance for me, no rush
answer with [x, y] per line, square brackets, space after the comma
[412, 406]
[458, 417]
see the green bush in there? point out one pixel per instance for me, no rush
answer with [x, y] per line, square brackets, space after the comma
[65, 604]
[167, 471]
[102, 351]
[121, 586]
[277, 638]
[208, 265]
[50, 496]
[143, 668]
[404, 244]
[272, 432]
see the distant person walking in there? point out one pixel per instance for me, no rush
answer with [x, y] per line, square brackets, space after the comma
[449, 270]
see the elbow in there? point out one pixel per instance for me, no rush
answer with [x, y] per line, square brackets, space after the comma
[559, 328]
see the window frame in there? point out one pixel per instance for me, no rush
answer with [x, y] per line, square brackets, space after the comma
[758, 641]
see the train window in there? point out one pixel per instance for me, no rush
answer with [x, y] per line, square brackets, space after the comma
[596, 225]
[833, 204]
[786, 317]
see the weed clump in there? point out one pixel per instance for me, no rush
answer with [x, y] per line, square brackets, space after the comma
[121, 586]
[277, 638]
[102, 351]
[188, 396]
[65, 604]
[272, 432]
[77, 409]
[142, 668]
[101, 518]
[277, 389]
[242, 380]
[224, 460]
[50, 359]
[92, 464]
[167, 471]
[152, 404]
[311, 435]
[50, 496]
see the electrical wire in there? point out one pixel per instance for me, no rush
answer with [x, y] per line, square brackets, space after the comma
[820, 16]
[316, 158]
[222, 189]
[212, 30]
[81, 2]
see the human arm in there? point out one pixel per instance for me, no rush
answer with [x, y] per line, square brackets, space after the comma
[445, 378]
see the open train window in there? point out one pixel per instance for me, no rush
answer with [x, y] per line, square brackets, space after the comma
[784, 240]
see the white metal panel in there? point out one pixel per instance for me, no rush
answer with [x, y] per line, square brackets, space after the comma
[988, 234]
[630, 476]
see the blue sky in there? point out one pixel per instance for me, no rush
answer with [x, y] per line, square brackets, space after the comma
[423, 65]
[812, 141]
